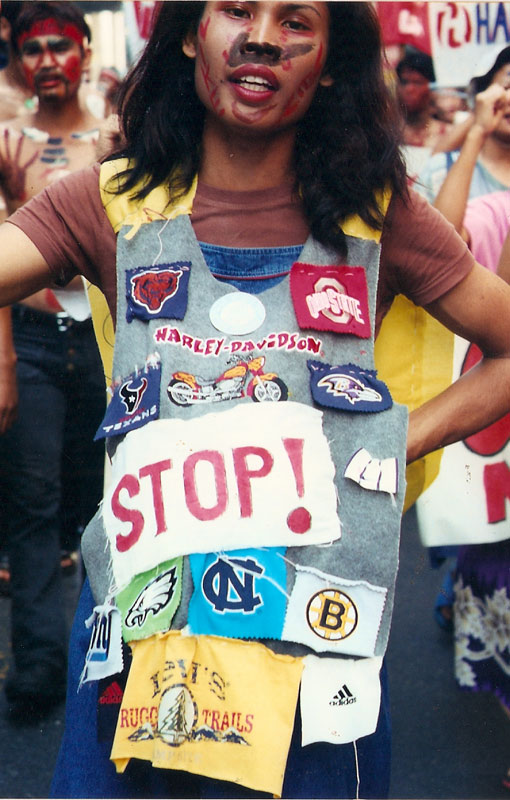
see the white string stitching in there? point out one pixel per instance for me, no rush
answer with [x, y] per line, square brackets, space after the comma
[160, 243]
[357, 769]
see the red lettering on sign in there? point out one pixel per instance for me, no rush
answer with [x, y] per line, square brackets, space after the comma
[132, 487]
[299, 520]
[153, 471]
[220, 480]
[496, 479]
[294, 448]
[244, 475]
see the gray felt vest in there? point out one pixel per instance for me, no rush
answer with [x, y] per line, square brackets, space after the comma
[368, 547]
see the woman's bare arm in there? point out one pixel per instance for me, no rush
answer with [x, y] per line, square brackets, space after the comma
[478, 309]
[23, 270]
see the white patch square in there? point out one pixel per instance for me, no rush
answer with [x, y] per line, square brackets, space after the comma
[252, 476]
[339, 699]
[332, 614]
[378, 475]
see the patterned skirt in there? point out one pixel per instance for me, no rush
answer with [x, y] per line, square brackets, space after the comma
[482, 619]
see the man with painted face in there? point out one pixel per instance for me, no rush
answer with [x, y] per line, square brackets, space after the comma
[51, 471]
[258, 209]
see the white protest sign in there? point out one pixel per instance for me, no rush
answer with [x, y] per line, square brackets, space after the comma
[463, 36]
[252, 476]
[476, 473]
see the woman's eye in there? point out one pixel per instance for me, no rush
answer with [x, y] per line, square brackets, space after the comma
[295, 25]
[235, 11]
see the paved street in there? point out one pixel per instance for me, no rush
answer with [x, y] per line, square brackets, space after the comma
[447, 744]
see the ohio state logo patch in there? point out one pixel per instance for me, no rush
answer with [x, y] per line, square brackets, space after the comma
[157, 292]
[348, 387]
[331, 298]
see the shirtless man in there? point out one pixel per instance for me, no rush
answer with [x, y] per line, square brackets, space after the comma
[57, 367]
[15, 96]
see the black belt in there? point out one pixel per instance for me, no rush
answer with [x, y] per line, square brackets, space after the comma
[56, 322]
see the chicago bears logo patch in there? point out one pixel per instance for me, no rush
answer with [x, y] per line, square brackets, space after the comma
[348, 388]
[135, 401]
[159, 291]
[331, 298]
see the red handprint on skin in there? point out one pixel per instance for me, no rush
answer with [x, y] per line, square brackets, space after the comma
[490, 440]
[13, 173]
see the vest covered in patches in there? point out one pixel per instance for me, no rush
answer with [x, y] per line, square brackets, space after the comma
[258, 464]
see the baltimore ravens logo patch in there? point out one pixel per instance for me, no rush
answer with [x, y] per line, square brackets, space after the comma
[348, 387]
[157, 292]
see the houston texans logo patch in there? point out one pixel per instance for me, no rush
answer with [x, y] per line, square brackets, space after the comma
[348, 388]
[135, 401]
[132, 395]
[157, 292]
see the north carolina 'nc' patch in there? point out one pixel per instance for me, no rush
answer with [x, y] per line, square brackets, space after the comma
[135, 401]
[348, 387]
[240, 594]
[332, 298]
[159, 291]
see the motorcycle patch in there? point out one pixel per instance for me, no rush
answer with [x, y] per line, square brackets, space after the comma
[159, 291]
[244, 377]
[135, 401]
[348, 388]
[333, 298]
[240, 594]
[150, 601]
[251, 476]
[378, 475]
[209, 706]
[332, 614]
[339, 699]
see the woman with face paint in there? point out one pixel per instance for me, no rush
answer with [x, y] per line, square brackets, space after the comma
[247, 545]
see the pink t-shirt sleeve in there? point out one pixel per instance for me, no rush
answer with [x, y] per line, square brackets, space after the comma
[487, 221]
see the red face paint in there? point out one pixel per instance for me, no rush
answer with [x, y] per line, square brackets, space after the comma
[52, 57]
[50, 27]
[202, 28]
[259, 64]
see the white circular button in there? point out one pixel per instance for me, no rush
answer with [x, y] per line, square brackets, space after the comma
[237, 313]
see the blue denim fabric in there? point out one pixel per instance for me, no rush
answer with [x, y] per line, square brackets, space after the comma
[61, 399]
[318, 770]
[251, 266]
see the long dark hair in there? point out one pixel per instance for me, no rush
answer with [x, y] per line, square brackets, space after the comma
[347, 145]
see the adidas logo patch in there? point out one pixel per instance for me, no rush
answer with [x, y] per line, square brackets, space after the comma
[343, 697]
[112, 695]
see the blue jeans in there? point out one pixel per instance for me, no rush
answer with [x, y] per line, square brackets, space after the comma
[318, 770]
[61, 396]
